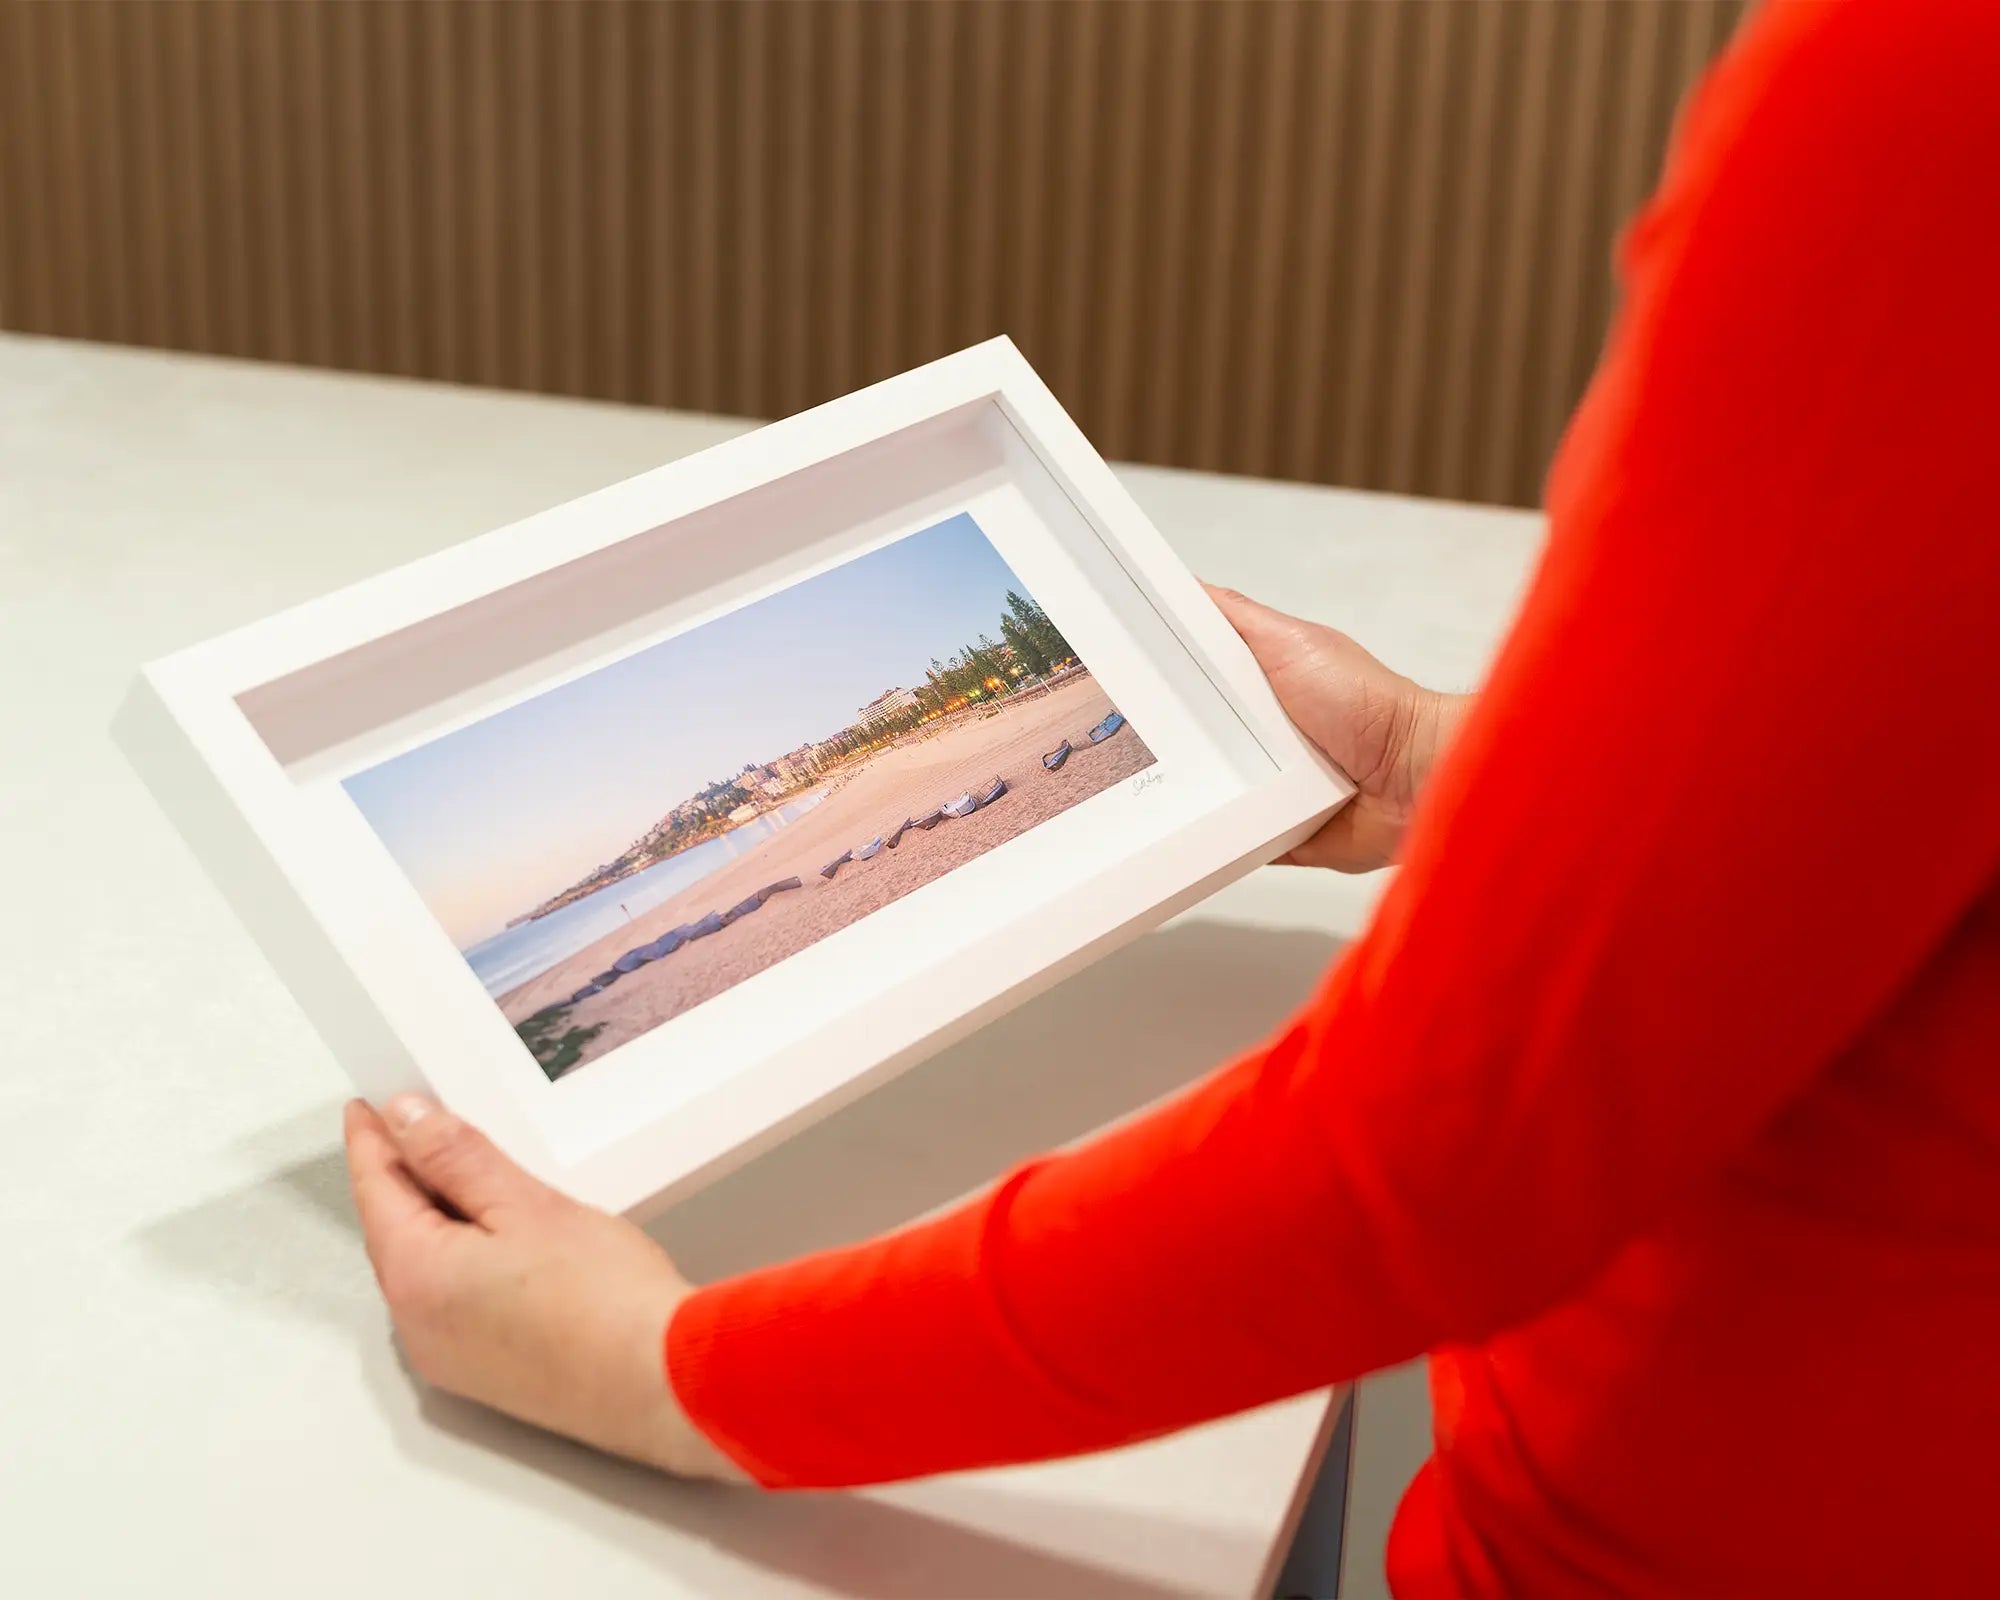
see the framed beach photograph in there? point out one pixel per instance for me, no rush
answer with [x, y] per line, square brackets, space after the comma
[652, 827]
[626, 845]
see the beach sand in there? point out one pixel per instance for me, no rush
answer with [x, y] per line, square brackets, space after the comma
[905, 782]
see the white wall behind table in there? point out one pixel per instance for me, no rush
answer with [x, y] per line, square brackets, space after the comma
[197, 1394]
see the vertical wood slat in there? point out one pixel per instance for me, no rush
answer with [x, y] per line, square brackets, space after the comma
[842, 178]
[1216, 182]
[63, 95]
[795, 214]
[1359, 241]
[1168, 239]
[1117, 351]
[1381, 180]
[1573, 167]
[1444, 467]
[1320, 200]
[1411, 319]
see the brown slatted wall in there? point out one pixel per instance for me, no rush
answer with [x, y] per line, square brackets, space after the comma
[1364, 243]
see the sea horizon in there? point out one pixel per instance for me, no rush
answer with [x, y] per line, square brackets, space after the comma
[515, 955]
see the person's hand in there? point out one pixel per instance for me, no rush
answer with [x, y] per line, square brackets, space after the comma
[508, 1293]
[1377, 726]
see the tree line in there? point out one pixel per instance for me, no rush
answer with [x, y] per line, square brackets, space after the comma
[972, 673]
[1036, 642]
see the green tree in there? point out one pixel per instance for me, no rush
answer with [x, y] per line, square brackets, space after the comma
[1034, 622]
[1026, 647]
[955, 678]
[984, 666]
[933, 694]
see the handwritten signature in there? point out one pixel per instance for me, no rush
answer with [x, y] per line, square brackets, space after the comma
[1147, 780]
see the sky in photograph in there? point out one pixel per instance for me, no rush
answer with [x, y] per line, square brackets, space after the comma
[490, 821]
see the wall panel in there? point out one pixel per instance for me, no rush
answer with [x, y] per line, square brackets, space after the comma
[1364, 243]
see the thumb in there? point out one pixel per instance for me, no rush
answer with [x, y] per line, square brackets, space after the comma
[1316, 671]
[455, 1161]
[1343, 699]
[1263, 627]
[1276, 639]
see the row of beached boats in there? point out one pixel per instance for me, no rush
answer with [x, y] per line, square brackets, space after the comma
[715, 921]
[670, 941]
[972, 800]
[1062, 752]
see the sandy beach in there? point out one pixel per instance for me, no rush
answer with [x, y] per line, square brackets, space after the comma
[870, 800]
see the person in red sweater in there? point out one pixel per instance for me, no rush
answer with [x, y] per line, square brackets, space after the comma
[1660, 1101]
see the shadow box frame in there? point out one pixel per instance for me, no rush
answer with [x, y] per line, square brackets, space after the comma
[245, 740]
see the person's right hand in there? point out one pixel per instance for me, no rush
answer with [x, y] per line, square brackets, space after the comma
[1377, 726]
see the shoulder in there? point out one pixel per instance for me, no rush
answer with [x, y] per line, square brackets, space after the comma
[1822, 244]
[1836, 94]
[1834, 169]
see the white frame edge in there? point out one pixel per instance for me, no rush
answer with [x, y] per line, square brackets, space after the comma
[183, 729]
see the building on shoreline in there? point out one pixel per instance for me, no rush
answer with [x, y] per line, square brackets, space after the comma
[887, 704]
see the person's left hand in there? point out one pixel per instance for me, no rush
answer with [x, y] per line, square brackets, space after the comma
[511, 1294]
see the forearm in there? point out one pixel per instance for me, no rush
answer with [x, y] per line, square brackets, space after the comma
[1624, 936]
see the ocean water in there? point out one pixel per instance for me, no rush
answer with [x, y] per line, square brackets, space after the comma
[514, 955]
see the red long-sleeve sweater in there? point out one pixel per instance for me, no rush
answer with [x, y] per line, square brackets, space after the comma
[1661, 1100]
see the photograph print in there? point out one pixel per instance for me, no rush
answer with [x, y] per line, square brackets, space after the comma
[621, 848]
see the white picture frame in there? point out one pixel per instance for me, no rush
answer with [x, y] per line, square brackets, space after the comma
[248, 740]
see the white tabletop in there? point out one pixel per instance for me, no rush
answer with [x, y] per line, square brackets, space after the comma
[198, 1394]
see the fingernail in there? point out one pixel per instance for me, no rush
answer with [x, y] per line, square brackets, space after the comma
[405, 1111]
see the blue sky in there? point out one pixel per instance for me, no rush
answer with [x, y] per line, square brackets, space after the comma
[491, 820]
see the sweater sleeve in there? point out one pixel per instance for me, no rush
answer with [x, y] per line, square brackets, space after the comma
[1732, 779]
